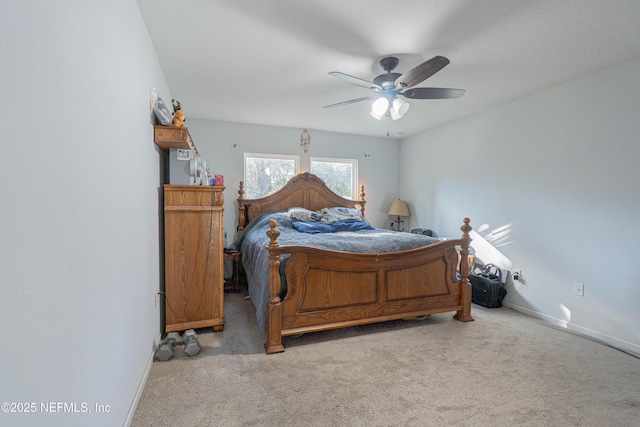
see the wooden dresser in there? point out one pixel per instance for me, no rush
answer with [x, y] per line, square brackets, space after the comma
[193, 246]
[194, 269]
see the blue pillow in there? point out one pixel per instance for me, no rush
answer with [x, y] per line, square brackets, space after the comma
[351, 225]
[311, 227]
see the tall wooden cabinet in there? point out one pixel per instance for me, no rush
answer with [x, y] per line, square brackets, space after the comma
[193, 246]
[194, 269]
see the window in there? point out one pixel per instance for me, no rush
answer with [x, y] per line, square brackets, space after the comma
[267, 173]
[340, 175]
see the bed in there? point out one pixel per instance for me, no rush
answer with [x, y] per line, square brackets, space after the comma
[300, 286]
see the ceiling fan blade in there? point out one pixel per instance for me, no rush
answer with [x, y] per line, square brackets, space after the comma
[355, 80]
[432, 93]
[351, 101]
[421, 72]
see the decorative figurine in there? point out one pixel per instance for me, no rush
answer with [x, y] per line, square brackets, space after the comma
[178, 119]
[305, 140]
[178, 115]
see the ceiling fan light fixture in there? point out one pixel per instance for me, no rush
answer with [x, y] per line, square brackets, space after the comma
[392, 89]
[376, 116]
[380, 106]
[401, 106]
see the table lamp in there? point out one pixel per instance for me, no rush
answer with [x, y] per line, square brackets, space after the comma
[399, 209]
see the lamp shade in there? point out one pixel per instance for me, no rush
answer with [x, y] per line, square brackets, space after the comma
[375, 115]
[399, 208]
[401, 106]
[380, 106]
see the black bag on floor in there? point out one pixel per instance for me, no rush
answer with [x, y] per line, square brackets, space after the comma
[487, 289]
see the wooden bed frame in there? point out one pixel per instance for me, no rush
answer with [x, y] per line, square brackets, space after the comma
[328, 289]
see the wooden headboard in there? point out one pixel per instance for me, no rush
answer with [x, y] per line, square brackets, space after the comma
[304, 190]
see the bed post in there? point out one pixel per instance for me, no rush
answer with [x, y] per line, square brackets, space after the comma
[361, 199]
[242, 220]
[464, 315]
[274, 310]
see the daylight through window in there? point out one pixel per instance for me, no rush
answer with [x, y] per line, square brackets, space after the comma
[340, 175]
[267, 173]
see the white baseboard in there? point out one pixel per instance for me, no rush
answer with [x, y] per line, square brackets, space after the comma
[143, 382]
[607, 339]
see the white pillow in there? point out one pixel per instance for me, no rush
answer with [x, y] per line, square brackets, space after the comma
[302, 214]
[335, 214]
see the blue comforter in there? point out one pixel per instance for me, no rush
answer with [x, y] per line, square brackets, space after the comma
[315, 227]
[253, 241]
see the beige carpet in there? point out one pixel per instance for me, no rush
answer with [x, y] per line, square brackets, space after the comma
[504, 369]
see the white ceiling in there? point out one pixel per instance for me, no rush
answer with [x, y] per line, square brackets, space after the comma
[266, 61]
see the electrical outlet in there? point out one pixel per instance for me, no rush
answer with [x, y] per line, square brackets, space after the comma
[517, 275]
[578, 289]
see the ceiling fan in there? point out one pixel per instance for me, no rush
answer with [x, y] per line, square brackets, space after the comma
[391, 89]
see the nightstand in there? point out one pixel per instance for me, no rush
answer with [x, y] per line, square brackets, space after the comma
[237, 262]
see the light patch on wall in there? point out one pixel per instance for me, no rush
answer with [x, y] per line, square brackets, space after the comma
[500, 236]
[566, 314]
[488, 253]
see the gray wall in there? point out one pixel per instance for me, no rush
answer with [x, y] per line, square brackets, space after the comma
[552, 182]
[223, 145]
[79, 237]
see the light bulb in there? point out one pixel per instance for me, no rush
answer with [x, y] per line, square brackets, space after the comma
[376, 116]
[380, 106]
[401, 106]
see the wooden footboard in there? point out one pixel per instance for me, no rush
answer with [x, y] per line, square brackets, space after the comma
[327, 289]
